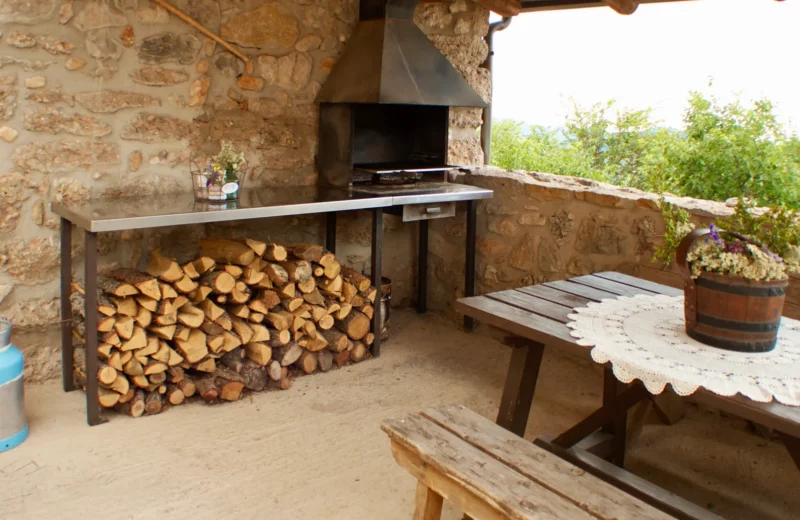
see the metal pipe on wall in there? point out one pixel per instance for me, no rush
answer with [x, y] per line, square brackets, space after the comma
[486, 127]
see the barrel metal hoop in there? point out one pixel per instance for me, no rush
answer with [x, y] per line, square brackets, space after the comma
[736, 346]
[744, 290]
[741, 326]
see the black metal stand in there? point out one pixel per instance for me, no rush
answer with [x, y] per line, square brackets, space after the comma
[90, 312]
[422, 268]
[66, 308]
[469, 281]
[377, 264]
[330, 232]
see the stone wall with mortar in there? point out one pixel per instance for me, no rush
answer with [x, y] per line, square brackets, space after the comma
[542, 227]
[112, 98]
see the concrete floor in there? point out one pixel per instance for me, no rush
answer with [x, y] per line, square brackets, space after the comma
[316, 450]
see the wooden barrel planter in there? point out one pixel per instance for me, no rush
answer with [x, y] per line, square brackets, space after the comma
[730, 312]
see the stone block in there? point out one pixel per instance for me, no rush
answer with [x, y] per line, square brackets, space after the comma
[30, 262]
[74, 64]
[152, 128]
[291, 72]
[504, 227]
[465, 152]
[155, 15]
[532, 219]
[599, 234]
[27, 12]
[98, 15]
[15, 189]
[523, 256]
[55, 121]
[490, 246]
[547, 193]
[271, 27]
[65, 156]
[250, 83]
[20, 40]
[264, 107]
[35, 82]
[8, 134]
[159, 76]
[49, 95]
[308, 43]
[110, 101]
[169, 47]
[199, 91]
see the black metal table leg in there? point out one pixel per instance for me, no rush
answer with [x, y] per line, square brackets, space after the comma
[66, 309]
[523, 371]
[618, 423]
[90, 310]
[330, 232]
[377, 263]
[422, 268]
[469, 281]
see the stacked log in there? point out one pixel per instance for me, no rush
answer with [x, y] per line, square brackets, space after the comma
[243, 316]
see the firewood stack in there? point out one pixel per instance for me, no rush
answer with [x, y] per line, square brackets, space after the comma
[244, 315]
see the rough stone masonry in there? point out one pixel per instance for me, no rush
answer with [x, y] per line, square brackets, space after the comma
[112, 98]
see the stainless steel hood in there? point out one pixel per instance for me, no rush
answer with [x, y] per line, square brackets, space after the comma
[389, 60]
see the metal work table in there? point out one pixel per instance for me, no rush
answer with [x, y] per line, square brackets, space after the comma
[107, 215]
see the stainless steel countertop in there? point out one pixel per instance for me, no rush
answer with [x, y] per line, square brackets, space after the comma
[103, 215]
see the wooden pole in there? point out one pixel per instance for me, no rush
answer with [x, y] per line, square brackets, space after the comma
[194, 23]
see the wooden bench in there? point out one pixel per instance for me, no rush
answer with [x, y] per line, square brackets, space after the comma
[490, 473]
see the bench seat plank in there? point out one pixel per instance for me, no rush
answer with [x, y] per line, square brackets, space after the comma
[546, 469]
[640, 283]
[532, 304]
[509, 493]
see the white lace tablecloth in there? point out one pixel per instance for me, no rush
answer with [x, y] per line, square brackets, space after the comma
[644, 338]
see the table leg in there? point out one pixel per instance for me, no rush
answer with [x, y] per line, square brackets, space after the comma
[330, 232]
[469, 280]
[377, 263]
[428, 503]
[617, 424]
[90, 311]
[523, 371]
[422, 268]
[66, 308]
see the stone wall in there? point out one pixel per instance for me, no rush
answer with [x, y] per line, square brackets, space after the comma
[541, 227]
[111, 98]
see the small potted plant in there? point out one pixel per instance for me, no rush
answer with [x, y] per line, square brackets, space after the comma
[222, 178]
[734, 284]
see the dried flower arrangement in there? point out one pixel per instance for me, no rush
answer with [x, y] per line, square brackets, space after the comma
[757, 245]
[222, 178]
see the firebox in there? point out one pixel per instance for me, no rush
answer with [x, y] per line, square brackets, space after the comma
[385, 108]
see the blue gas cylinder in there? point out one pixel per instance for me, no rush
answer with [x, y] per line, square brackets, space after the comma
[13, 425]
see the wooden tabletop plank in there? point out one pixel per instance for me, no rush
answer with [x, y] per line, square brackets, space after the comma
[583, 489]
[620, 289]
[533, 304]
[516, 321]
[577, 289]
[509, 491]
[555, 296]
[640, 283]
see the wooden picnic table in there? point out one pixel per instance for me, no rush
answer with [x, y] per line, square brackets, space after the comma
[533, 318]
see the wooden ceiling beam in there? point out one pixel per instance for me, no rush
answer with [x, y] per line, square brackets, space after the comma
[502, 7]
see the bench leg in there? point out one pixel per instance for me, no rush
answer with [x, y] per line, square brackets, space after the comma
[428, 503]
[617, 424]
[523, 371]
[792, 446]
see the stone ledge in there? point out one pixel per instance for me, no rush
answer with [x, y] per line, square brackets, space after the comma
[548, 187]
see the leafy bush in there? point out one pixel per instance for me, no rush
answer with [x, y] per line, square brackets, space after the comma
[726, 150]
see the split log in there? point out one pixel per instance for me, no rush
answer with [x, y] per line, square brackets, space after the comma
[207, 365]
[174, 395]
[145, 284]
[106, 374]
[229, 383]
[221, 282]
[369, 339]
[287, 291]
[163, 268]
[127, 396]
[165, 307]
[140, 381]
[276, 274]
[233, 270]
[341, 358]
[270, 299]
[331, 265]
[355, 325]
[155, 367]
[190, 271]
[185, 285]
[169, 318]
[144, 317]
[226, 251]
[308, 252]
[337, 341]
[134, 407]
[274, 370]
[275, 253]
[326, 322]
[256, 317]
[187, 386]
[258, 247]
[307, 286]
[370, 294]
[240, 311]
[368, 310]
[191, 316]
[225, 322]
[332, 287]
[166, 332]
[157, 379]
[307, 362]
[359, 352]
[204, 264]
[348, 292]
[153, 403]
[124, 327]
[260, 332]
[242, 329]
[259, 353]
[315, 344]
[292, 304]
[176, 374]
[181, 332]
[215, 343]
[318, 270]
[240, 295]
[211, 328]
[289, 353]
[116, 288]
[298, 270]
[253, 276]
[194, 349]
[254, 376]
[360, 281]
[325, 360]
[233, 360]
[207, 389]
[358, 301]
[230, 341]
[211, 310]
[137, 340]
[199, 294]
[281, 320]
[168, 291]
[115, 361]
[314, 297]
[125, 306]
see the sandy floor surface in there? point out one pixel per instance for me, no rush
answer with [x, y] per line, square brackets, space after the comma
[316, 451]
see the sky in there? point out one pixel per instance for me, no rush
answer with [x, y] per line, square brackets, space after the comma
[652, 58]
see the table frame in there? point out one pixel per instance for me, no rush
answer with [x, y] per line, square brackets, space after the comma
[93, 409]
[533, 318]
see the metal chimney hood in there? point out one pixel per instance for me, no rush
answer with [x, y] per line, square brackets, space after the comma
[389, 60]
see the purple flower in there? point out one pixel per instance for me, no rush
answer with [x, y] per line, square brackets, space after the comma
[714, 235]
